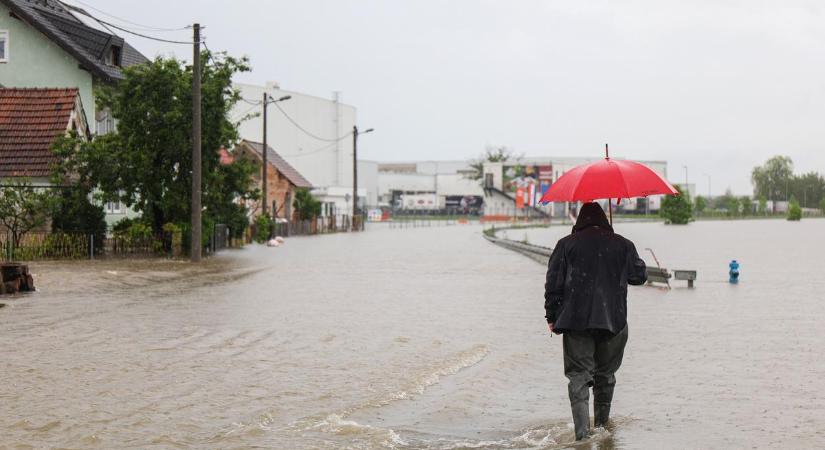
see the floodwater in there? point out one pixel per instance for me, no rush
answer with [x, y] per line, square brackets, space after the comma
[416, 338]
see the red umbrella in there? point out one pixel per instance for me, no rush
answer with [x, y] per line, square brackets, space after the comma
[607, 179]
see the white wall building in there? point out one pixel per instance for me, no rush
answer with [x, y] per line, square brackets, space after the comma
[434, 185]
[312, 134]
[430, 185]
[543, 171]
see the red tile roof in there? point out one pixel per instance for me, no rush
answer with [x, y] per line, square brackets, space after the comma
[30, 121]
[273, 158]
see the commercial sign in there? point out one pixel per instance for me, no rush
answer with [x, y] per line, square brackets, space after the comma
[533, 181]
[464, 204]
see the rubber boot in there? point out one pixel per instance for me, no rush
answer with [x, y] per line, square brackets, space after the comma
[581, 420]
[601, 414]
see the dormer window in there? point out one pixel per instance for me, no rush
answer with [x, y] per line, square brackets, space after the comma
[4, 46]
[113, 56]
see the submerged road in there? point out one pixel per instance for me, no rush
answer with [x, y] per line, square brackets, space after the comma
[414, 338]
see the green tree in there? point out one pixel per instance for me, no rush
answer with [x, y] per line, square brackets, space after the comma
[491, 154]
[763, 205]
[822, 205]
[700, 204]
[745, 205]
[306, 206]
[23, 208]
[676, 209]
[147, 162]
[808, 188]
[772, 179]
[76, 213]
[794, 210]
[733, 206]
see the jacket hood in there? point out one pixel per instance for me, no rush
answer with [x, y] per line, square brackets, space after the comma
[591, 215]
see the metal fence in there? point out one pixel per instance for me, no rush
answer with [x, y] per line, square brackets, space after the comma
[318, 225]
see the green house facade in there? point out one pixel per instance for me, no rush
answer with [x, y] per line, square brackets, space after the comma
[43, 44]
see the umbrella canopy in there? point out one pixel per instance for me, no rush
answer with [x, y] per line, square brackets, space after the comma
[608, 179]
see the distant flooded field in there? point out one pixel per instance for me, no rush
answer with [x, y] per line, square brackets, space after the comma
[413, 338]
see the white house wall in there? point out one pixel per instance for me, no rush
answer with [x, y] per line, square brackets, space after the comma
[323, 163]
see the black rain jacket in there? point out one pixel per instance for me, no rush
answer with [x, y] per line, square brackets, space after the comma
[588, 274]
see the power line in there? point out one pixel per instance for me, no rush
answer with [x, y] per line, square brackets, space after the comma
[243, 114]
[145, 27]
[294, 122]
[308, 133]
[209, 52]
[250, 102]
[145, 36]
[318, 150]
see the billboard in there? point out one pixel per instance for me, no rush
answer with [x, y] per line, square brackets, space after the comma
[418, 201]
[527, 183]
[464, 204]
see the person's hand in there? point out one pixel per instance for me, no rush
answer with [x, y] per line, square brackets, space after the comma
[550, 326]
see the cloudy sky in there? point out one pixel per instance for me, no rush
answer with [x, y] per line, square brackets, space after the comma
[717, 86]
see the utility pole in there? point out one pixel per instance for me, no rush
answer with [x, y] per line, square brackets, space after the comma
[263, 156]
[354, 177]
[355, 134]
[264, 187]
[196, 243]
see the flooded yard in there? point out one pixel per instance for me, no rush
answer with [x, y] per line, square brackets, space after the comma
[413, 338]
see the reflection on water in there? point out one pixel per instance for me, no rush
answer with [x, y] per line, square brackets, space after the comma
[418, 338]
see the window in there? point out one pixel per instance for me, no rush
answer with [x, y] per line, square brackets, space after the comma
[112, 57]
[114, 207]
[106, 123]
[4, 46]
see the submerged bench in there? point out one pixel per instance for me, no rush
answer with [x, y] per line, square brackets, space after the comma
[662, 275]
[658, 275]
[688, 275]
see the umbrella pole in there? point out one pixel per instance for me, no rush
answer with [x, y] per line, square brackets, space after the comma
[610, 210]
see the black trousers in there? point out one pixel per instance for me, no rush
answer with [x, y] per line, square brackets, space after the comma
[591, 359]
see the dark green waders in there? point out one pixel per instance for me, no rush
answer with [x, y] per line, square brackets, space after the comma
[591, 359]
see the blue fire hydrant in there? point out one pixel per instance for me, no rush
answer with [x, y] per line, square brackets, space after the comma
[734, 272]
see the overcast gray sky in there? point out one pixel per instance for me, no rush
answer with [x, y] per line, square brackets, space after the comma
[718, 86]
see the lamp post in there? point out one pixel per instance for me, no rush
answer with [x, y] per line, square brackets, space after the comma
[355, 134]
[266, 102]
[686, 178]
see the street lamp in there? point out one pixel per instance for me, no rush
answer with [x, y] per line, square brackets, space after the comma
[355, 134]
[266, 102]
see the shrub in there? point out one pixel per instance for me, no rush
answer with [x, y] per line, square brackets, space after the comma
[794, 210]
[121, 226]
[306, 206]
[263, 228]
[676, 209]
[74, 213]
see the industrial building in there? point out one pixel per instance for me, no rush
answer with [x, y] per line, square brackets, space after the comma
[509, 188]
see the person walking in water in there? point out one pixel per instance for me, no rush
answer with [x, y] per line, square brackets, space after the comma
[585, 300]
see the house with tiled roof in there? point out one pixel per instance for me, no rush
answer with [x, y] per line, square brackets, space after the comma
[30, 122]
[282, 179]
[45, 44]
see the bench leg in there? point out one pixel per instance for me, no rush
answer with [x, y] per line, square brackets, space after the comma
[690, 284]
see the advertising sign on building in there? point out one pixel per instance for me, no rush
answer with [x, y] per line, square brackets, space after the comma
[545, 180]
[419, 201]
[464, 204]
